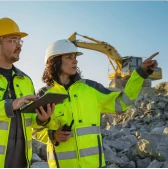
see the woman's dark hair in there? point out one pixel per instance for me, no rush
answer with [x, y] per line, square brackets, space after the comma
[53, 71]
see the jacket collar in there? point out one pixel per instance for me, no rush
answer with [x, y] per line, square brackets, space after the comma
[17, 71]
[74, 79]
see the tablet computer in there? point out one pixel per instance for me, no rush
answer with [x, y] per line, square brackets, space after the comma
[48, 98]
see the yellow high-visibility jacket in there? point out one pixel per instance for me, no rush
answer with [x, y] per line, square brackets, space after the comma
[22, 86]
[87, 99]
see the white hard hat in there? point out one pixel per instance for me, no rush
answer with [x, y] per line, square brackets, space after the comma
[60, 47]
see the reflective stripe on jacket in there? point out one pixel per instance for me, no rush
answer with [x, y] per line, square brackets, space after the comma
[23, 86]
[87, 99]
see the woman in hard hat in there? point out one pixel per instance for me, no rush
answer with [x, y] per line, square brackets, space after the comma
[16, 90]
[78, 143]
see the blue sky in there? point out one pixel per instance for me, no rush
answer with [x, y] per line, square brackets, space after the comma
[133, 28]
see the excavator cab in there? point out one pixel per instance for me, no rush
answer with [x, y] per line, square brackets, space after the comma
[135, 62]
[130, 63]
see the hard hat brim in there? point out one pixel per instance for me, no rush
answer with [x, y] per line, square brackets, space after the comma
[21, 34]
[79, 53]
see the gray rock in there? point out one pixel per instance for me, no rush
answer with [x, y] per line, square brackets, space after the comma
[36, 158]
[130, 164]
[106, 146]
[131, 139]
[143, 163]
[40, 165]
[161, 105]
[109, 155]
[155, 164]
[165, 164]
[157, 130]
[112, 166]
[40, 149]
[117, 160]
[120, 145]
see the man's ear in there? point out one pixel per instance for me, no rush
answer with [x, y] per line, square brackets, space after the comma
[1, 40]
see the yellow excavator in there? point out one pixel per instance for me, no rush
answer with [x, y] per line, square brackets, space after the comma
[123, 66]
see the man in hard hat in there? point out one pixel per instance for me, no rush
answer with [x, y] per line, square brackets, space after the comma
[78, 142]
[16, 90]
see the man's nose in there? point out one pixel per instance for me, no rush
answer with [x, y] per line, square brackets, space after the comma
[19, 46]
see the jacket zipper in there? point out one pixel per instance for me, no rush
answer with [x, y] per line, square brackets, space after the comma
[74, 131]
[100, 151]
[24, 127]
[54, 152]
[80, 121]
[77, 149]
[26, 145]
[78, 108]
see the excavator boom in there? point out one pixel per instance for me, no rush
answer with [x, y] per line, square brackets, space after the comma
[99, 46]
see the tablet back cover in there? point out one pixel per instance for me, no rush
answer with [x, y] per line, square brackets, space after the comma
[43, 101]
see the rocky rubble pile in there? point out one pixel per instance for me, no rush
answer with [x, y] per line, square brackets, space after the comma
[139, 137]
[135, 138]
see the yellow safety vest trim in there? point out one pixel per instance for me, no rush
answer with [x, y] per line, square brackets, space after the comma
[29, 144]
[2, 149]
[88, 130]
[28, 122]
[66, 155]
[89, 151]
[4, 125]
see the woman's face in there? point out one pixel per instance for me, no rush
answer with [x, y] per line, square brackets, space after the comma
[69, 64]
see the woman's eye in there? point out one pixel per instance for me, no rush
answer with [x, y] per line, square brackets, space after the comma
[68, 57]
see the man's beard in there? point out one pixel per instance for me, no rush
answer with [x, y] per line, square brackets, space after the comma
[15, 57]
